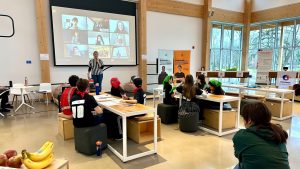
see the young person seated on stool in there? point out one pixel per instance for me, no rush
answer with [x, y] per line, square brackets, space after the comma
[189, 92]
[85, 109]
[139, 94]
[66, 97]
[169, 91]
[261, 145]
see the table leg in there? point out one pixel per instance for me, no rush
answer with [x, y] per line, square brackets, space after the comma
[281, 106]
[293, 103]
[238, 114]
[154, 98]
[124, 120]
[220, 118]
[155, 131]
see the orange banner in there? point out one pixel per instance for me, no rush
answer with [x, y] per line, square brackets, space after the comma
[182, 57]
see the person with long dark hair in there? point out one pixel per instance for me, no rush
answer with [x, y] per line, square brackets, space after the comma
[262, 144]
[189, 92]
[99, 40]
[201, 82]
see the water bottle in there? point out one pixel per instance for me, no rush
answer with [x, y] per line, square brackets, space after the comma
[98, 148]
[26, 81]
[97, 89]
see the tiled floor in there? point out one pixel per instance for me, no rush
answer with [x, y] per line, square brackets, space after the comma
[176, 150]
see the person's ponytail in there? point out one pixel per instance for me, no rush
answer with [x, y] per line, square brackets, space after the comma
[280, 136]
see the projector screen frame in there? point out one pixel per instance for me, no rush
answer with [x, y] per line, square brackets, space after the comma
[78, 5]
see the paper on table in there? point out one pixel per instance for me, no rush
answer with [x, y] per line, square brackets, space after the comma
[111, 103]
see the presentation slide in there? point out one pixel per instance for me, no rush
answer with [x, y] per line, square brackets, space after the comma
[78, 33]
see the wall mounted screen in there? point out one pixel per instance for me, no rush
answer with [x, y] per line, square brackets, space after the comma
[77, 33]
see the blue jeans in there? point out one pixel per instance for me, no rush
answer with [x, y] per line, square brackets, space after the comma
[98, 79]
[237, 166]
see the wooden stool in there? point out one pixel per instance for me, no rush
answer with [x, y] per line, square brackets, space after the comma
[140, 129]
[65, 128]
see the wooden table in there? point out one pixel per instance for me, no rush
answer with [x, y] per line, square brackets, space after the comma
[221, 99]
[281, 92]
[56, 164]
[125, 110]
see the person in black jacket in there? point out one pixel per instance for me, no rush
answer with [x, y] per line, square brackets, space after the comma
[201, 83]
[116, 89]
[139, 94]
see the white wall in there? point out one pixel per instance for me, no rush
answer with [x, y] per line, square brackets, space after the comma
[232, 5]
[22, 46]
[173, 32]
[259, 5]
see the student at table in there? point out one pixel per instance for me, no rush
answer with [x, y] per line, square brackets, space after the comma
[169, 91]
[85, 109]
[262, 144]
[201, 83]
[189, 92]
[116, 89]
[139, 94]
[215, 87]
[129, 86]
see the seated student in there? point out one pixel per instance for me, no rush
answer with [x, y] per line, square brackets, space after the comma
[4, 100]
[261, 145]
[189, 91]
[139, 94]
[169, 91]
[201, 83]
[215, 87]
[66, 96]
[83, 105]
[129, 86]
[116, 89]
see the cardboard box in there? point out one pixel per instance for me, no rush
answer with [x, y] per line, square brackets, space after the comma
[274, 105]
[211, 118]
[234, 104]
[141, 131]
[65, 128]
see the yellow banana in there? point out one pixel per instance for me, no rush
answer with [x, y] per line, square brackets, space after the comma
[42, 153]
[36, 165]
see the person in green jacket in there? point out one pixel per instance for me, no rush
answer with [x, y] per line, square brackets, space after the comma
[262, 145]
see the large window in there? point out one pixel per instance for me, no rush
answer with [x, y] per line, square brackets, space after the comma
[226, 47]
[283, 38]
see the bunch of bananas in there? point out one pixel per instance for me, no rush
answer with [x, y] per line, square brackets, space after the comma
[39, 159]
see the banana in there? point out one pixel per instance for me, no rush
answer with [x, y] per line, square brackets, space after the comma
[42, 153]
[36, 165]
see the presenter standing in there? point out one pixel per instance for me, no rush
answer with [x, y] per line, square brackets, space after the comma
[96, 69]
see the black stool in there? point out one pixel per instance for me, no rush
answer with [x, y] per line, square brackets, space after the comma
[167, 113]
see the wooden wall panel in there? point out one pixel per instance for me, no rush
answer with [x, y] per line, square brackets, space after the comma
[282, 12]
[175, 7]
[142, 41]
[246, 33]
[228, 16]
[43, 39]
[206, 29]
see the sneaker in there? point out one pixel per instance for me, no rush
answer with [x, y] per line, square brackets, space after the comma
[4, 110]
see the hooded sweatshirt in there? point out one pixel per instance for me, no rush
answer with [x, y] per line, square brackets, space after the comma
[255, 149]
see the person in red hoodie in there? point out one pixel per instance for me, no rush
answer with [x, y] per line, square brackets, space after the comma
[66, 98]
